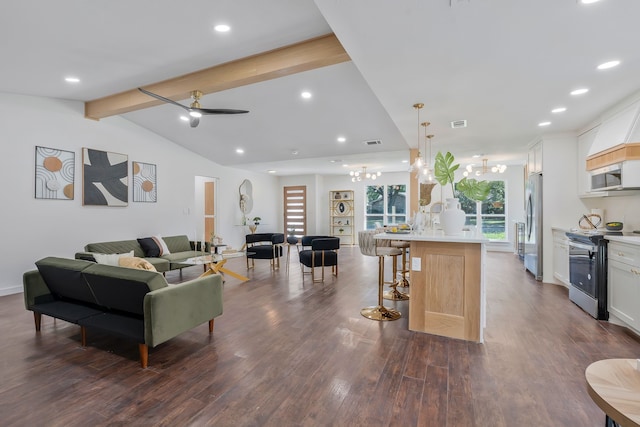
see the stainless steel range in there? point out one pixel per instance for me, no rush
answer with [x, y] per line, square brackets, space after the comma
[588, 271]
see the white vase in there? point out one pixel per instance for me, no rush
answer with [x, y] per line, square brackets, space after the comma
[452, 219]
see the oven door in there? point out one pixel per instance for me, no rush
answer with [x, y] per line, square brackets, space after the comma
[582, 267]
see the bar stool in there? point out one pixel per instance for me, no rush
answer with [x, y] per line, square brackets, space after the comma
[403, 246]
[368, 247]
[394, 294]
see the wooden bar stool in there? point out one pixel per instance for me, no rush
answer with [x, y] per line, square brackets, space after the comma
[368, 247]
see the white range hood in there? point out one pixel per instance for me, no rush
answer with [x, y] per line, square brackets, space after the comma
[621, 128]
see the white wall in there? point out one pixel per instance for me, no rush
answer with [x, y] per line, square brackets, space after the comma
[33, 229]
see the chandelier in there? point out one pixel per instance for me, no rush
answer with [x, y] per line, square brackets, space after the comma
[481, 170]
[359, 175]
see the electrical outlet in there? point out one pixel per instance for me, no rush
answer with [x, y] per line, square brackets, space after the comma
[416, 263]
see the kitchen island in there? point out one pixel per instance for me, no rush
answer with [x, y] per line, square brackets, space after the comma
[447, 283]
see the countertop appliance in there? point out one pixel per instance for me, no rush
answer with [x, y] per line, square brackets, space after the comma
[588, 270]
[533, 226]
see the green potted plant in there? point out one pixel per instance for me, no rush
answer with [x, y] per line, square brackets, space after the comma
[256, 220]
[453, 218]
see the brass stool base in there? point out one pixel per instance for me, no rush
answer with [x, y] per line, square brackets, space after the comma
[395, 295]
[379, 312]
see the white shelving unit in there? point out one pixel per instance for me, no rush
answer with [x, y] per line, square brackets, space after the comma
[341, 216]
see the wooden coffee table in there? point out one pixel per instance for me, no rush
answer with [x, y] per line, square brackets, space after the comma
[215, 264]
[614, 385]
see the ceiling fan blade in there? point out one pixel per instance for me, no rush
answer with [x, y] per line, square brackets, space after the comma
[219, 111]
[194, 121]
[162, 98]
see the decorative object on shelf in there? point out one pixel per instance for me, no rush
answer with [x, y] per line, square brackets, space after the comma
[144, 182]
[477, 171]
[341, 216]
[475, 190]
[104, 178]
[256, 220]
[357, 175]
[54, 174]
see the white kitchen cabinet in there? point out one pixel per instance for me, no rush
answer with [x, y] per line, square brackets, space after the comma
[561, 256]
[585, 141]
[623, 298]
[534, 158]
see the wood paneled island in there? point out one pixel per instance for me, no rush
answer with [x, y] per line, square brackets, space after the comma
[447, 283]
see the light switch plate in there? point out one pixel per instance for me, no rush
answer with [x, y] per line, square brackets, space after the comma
[416, 263]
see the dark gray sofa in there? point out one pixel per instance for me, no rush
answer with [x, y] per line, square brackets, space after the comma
[133, 304]
[179, 246]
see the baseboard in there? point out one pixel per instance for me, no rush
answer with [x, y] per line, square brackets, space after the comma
[10, 291]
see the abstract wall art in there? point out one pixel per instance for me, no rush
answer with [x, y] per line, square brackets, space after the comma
[144, 182]
[104, 178]
[54, 173]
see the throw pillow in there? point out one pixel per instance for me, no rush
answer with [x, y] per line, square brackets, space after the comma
[135, 262]
[150, 247]
[164, 249]
[110, 259]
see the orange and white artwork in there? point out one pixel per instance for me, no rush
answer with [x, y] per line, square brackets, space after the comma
[54, 176]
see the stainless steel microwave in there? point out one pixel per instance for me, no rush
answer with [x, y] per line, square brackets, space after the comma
[619, 176]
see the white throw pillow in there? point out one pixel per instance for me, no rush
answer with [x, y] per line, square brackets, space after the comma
[110, 259]
[161, 242]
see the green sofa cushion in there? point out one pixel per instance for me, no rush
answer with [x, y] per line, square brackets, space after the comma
[178, 243]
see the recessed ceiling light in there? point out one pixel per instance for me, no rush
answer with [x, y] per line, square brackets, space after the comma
[335, 161]
[559, 110]
[588, 1]
[579, 91]
[306, 95]
[72, 80]
[222, 28]
[345, 165]
[341, 139]
[405, 161]
[239, 150]
[294, 152]
[476, 156]
[184, 118]
[271, 171]
[609, 64]
[544, 123]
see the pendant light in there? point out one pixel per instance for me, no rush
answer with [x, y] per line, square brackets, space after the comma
[418, 163]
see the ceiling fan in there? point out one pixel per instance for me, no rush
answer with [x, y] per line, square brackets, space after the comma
[195, 110]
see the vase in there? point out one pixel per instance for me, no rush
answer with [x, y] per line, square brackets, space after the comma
[452, 219]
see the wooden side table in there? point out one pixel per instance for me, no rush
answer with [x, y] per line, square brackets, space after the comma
[614, 385]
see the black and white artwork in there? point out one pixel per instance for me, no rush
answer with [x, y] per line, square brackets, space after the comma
[104, 178]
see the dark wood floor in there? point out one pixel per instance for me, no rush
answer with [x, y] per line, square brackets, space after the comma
[291, 353]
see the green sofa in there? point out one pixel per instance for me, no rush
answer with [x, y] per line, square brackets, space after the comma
[133, 304]
[179, 246]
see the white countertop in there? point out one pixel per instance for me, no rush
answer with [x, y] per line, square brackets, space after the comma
[435, 236]
[632, 240]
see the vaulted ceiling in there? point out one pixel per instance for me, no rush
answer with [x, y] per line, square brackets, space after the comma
[501, 65]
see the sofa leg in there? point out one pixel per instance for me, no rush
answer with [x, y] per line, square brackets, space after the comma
[83, 336]
[211, 326]
[37, 318]
[144, 355]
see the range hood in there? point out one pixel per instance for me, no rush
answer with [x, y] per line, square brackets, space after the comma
[617, 140]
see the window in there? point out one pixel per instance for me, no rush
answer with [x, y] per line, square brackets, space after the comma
[492, 212]
[386, 204]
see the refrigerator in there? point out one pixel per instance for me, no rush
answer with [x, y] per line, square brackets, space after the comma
[533, 226]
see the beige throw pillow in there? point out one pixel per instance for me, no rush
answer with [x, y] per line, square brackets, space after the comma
[135, 262]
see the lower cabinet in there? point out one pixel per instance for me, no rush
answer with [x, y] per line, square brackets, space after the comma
[624, 283]
[561, 256]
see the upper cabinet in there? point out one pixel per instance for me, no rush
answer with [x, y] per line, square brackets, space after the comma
[534, 158]
[585, 141]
